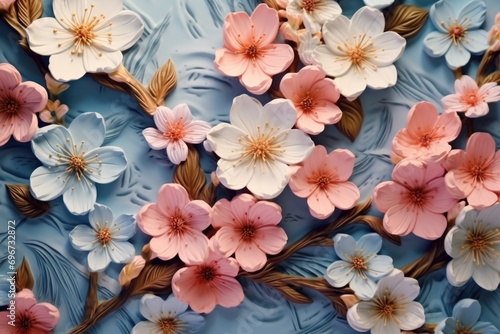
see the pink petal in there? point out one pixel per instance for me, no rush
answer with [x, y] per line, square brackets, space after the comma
[225, 266]
[465, 85]
[490, 92]
[228, 291]
[480, 147]
[316, 160]
[227, 240]
[172, 197]
[300, 185]
[307, 124]
[430, 225]
[288, 86]
[255, 79]
[492, 182]
[231, 63]
[182, 114]
[440, 199]
[343, 195]
[9, 77]
[410, 173]
[177, 151]
[193, 247]
[265, 214]
[453, 102]
[156, 140]
[458, 190]
[308, 76]
[481, 198]
[33, 96]
[46, 315]
[25, 300]
[250, 257]
[162, 117]
[421, 119]
[237, 31]
[221, 214]
[197, 214]
[196, 132]
[25, 126]
[478, 110]
[455, 159]
[265, 23]
[342, 162]
[433, 171]
[399, 220]
[152, 221]
[448, 126]
[327, 112]
[271, 239]
[275, 58]
[240, 206]
[319, 204]
[388, 194]
[166, 247]
[188, 287]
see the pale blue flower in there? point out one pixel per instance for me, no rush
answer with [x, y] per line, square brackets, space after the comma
[360, 266]
[457, 34]
[105, 239]
[165, 315]
[379, 4]
[73, 162]
[465, 320]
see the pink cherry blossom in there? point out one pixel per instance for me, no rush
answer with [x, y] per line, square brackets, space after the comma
[19, 101]
[427, 135]
[314, 97]
[30, 317]
[415, 200]
[494, 35]
[248, 228]
[209, 283]
[175, 128]
[5, 4]
[176, 225]
[248, 51]
[470, 98]
[475, 173]
[322, 179]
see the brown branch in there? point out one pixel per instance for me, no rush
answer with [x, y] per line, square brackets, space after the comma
[92, 300]
[484, 65]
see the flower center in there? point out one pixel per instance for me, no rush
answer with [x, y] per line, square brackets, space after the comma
[477, 173]
[461, 329]
[11, 106]
[357, 56]
[480, 244]
[247, 232]
[323, 181]
[417, 196]
[471, 99]
[252, 52]
[386, 307]
[177, 223]
[77, 165]
[207, 273]
[425, 140]
[358, 51]
[24, 323]
[84, 34]
[359, 263]
[457, 33]
[104, 236]
[175, 132]
[308, 5]
[168, 325]
[307, 104]
[263, 147]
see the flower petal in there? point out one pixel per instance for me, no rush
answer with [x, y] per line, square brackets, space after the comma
[126, 226]
[166, 247]
[275, 58]
[457, 57]
[65, 67]
[47, 184]
[363, 287]
[100, 216]
[344, 245]
[98, 259]
[388, 194]
[193, 247]
[389, 47]
[80, 197]
[88, 131]
[379, 266]
[265, 24]
[127, 28]
[343, 195]
[296, 147]
[235, 176]
[10, 77]
[467, 311]
[370, 243]
[271, 239]
[268, 179]
[156, 140]
[436, 44]
[111, 164]
[223, 139]
[351, 84]
[486, 277]
[120, 252]
[245, 114]
[146, 327]
[381, 77]
[250, 257]
[43, 40]
[255, 79]
[49, 142]
[152, 221]
[279, 114]
[177, 151]
[475, 12]
[476, 41]
[413, 317]
[46, 315]
[83, 238]
[196, 132]
[368, 21]
[339, 274]
[98, 62]
[174, 306]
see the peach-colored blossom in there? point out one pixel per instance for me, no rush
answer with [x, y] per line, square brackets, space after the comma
[54, 112]
[248, 228]
[248, 51]
[209, 283]
[494, 35]
[30, 317]
[415, 200]
[427, 134]
[176, 225]
[322, 179]
[470, 98]
[314, 97]
[475, 173]
[19, 103]
[131, 270]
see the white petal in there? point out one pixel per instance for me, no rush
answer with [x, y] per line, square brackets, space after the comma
[120, 252]
[47, 184]
[437, 44]
[452, 276]
[83, 238]
[385, 328]
[367, 20]
[457, 56]
[344, 245]
[174, 306]
[389, 47]
[107, 8]
[88, 131]
[380, 266]
[234, 175]
[177, 151]
[360, 317]
[80, 196]
[486, 277]
[328, 61]
[325, 11]
[371, 243]
[269, 180]
[379, 4]
[296, 147]
[351, 84]
[412, 317]
[125, 28]
[245, 114]
[490, 215]
[443, 14]
[476, 41]
[124, 227]
[95, 61]
[224, 141]
[99, 216]
[339, 274]
[98, 259]
[146, 327]
[44, 41]
[156, 140]
[46, 141]
[110, 165]
[65, 66]
[363, 288]
[279, 114]
[382, 77]
[151, 306]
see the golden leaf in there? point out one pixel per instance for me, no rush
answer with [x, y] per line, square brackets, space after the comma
[28, 11]
[493, 77]
[10, 17]
[24, 277]
[163, 82]
[406, 20]
[25, 202]
[352, 117]
[375, 224]
[155, 278]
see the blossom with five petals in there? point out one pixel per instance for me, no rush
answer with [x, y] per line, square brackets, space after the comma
[73, 161]
[257, 147]
[19, 101]
[474, 246]
[31, 317]
[475, 172]
[358, 53]
[359, 265]
[84, 37]
[470, 98]
[415, 201]
[427, 134]
[314, 97]
[391, 309]
[170, 316]
[322, 179]
[314, 12]
[249, 229]
[458, 32]
[105, 239]
[209, 283]
[176, 225]
[175, 128]
[248, 51]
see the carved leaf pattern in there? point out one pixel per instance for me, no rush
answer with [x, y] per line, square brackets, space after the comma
[163, 82]
[352, 117]
[25, 202]
[406, 20]
[28, 11]
[24, 277]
